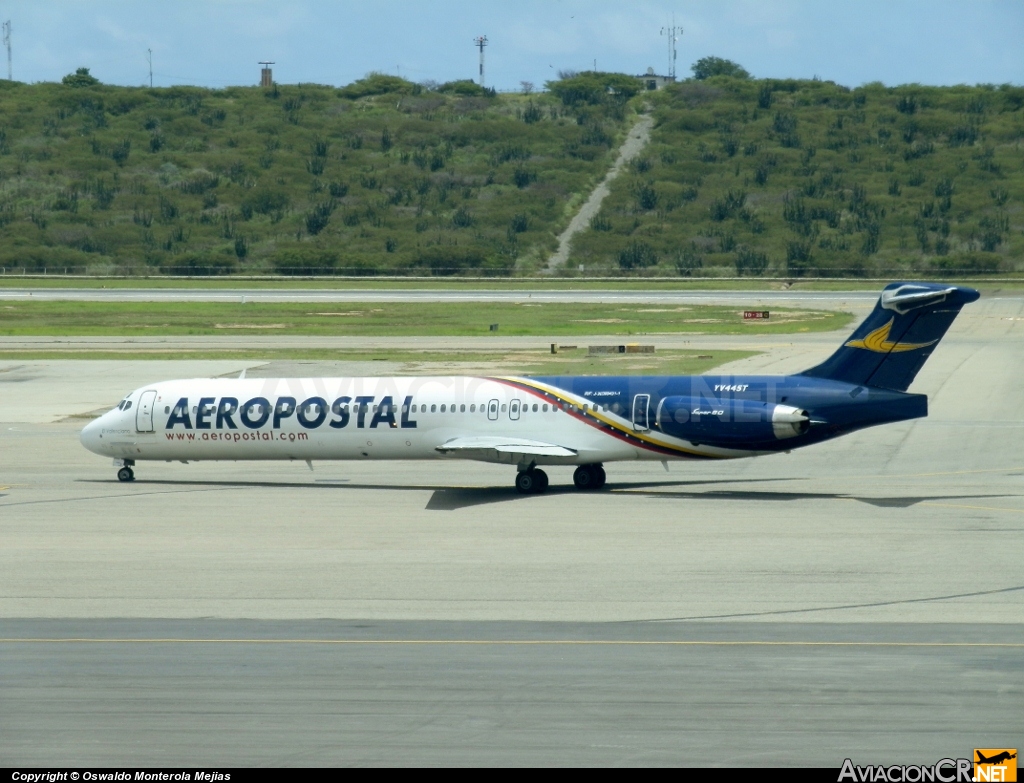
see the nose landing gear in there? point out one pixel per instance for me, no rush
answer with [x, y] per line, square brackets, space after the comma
[126, 473]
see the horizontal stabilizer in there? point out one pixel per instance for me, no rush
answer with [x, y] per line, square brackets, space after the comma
[529, 448]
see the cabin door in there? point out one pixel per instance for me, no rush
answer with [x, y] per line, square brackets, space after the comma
[144, 414]
[641, 406]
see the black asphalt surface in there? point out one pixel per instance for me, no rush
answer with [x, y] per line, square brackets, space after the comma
[283, 693]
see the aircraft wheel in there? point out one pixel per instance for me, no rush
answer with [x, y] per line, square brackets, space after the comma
[541, 479]
[586, 478]
[530, 482]
[525, 482]
[126, 474]
[602, 477]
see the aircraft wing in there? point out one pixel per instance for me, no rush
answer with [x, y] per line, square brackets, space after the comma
[482, 447]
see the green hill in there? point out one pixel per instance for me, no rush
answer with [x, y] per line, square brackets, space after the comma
[378, 176]
[795, 178]
[811, 178]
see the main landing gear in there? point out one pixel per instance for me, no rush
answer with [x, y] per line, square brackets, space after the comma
[589, 477]
[126, 473]
[532, 481]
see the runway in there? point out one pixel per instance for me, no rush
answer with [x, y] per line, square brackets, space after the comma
[582, 295]
[511, 694]
[902, 539]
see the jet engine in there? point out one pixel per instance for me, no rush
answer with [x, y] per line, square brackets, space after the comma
[731, 422]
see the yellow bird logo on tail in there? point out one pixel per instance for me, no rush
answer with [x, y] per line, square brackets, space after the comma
[878, 341]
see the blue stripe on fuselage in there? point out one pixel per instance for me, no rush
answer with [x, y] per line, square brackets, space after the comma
[836, 408]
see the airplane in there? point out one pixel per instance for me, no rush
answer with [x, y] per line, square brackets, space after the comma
[529, 422]
[996, 759]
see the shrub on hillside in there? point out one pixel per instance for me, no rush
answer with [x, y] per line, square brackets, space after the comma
[378, 84]
[750, 262]
[305, 261]
[446, 260]
[52, 260]
[266, 202]
[199, 264]
[466, 87]
[637, 255]
[594, 87]
[689, 261]
[706, 67]
[80, 78]
[968, 264]
[319, 216]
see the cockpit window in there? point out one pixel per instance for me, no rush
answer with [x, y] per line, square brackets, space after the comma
[127, 404]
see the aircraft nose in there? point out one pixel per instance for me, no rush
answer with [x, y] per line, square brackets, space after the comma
[90, 436]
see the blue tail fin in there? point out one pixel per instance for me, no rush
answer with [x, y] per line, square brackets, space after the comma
[893, 343]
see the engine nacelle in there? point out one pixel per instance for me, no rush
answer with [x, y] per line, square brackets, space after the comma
[729, 422]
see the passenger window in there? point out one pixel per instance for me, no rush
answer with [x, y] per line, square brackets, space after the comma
[472, 408]
[413, 408]
[442, 409]
[503, 407]
[433, 408]
[544, 408]
[167, 409]
[462, 409]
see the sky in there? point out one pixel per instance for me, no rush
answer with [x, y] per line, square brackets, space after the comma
[218, 43]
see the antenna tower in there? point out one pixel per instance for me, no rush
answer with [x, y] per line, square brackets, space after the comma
[149, 56]
[7, 43]
[481, 41]
[672, 33]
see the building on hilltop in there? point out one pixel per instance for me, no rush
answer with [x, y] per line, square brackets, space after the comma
[653, 81]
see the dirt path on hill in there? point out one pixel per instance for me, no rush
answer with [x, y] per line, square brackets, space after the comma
[635, 141]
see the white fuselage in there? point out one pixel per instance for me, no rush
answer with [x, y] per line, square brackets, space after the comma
[507, 420]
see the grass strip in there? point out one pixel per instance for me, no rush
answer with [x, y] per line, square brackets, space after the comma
[380, 319]
[753, 285]
[573, 362]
